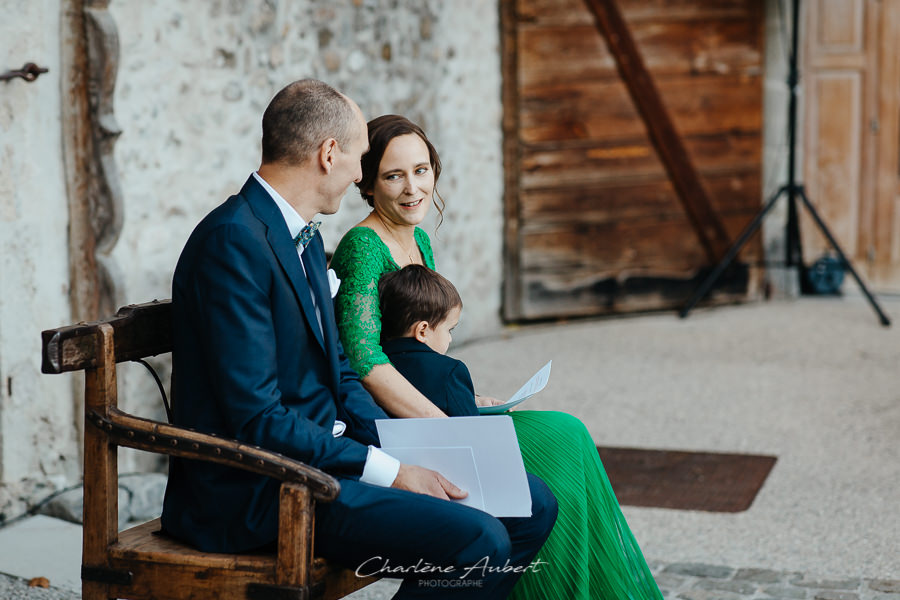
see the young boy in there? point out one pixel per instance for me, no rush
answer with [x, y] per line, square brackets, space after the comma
[419, 309]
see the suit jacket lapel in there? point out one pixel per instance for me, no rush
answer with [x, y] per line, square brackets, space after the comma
[282, 245]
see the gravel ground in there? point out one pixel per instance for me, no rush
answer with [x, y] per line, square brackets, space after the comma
[811, 381]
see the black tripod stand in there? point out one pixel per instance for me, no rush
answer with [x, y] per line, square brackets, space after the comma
[793, 190]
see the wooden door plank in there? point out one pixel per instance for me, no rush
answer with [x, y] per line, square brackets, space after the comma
[614, 162]
[594, 110]
[836, 124]
[640, 245]
[573, 53]
[509, 66]
[574, 12]
[885, 231]
[629, 200]
[666, 140]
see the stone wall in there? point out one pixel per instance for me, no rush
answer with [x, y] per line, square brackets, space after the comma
[195, 77]
[39, 451]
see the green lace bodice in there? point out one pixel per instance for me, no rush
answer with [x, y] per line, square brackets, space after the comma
[359, 261]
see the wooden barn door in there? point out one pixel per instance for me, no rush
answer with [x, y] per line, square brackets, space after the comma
[852, 141]
[593, 224]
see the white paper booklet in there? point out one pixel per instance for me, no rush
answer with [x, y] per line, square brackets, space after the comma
[479, 454]
[537, 382]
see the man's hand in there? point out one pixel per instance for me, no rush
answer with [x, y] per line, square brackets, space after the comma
[425, 481]
[487, 401]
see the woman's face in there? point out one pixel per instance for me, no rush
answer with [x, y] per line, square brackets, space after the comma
[405, 182]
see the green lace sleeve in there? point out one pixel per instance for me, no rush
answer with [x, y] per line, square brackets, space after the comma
[359, 262]
[424, 243]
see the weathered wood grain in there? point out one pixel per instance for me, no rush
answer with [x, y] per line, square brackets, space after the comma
[575, 53]
[590, 201]
[663, 245]
[138, 563]
[628, 200]
[572, 12]
[701, 105]
[612, 162]
[140, 331]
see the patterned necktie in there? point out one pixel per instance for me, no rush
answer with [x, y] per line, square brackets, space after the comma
[306, 234]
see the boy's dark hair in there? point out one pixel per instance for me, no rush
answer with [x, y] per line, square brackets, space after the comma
[412, 294]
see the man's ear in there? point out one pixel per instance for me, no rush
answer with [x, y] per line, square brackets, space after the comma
[328, 154]
[420, 330]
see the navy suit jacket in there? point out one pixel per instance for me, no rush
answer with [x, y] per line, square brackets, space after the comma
[251, 363]
[442, 379]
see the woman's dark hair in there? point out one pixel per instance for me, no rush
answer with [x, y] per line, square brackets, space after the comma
[412, 294]
[381, 131]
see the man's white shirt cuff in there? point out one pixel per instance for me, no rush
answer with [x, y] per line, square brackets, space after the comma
[381, 468]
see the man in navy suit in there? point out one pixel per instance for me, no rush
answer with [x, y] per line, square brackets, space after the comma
[257, 358]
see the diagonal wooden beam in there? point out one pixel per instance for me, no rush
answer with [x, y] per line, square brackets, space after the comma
[665, 138]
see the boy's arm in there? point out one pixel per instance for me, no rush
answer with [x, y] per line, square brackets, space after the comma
[460, 393]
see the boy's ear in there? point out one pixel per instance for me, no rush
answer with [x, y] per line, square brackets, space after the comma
[419, 331]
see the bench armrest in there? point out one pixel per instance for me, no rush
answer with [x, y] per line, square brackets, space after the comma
[153, 436]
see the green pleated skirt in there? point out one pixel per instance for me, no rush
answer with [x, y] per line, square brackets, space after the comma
[591, 553]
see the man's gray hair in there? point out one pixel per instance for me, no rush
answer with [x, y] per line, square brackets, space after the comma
[302, 116]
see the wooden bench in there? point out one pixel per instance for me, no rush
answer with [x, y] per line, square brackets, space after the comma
[140, 563]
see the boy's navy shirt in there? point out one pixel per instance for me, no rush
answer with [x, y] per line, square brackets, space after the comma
[443, 380]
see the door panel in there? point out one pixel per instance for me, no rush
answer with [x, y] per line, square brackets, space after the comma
[593, 224]
[852, 73]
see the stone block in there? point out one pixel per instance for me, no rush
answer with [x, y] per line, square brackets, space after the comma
[787, 592]
[826, 584]
[699, 570]
[708, 595]
[69, 506]
[759, 575]
[891, 586]
[670, 580]
[147, 491]
[745, 588]
[832, 595]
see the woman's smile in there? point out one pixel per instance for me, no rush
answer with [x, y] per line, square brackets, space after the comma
[403, 189]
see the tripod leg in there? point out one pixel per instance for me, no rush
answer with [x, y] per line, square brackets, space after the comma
[824, 229]
[749, 230]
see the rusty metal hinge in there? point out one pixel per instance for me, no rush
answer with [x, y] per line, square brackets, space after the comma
[29, 72]
[106, 575]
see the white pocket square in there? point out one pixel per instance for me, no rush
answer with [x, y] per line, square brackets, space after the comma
[333, 282]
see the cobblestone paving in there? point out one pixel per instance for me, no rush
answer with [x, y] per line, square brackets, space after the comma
[677, 581]
[694, 581]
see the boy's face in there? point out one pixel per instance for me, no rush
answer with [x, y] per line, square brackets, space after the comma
[438, 337]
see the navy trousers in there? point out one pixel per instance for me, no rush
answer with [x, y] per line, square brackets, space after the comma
[440, 549]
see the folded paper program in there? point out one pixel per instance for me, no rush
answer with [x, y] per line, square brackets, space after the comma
[537, 382]
[479, 454]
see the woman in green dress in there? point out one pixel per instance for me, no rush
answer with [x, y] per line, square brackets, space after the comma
[591, 552]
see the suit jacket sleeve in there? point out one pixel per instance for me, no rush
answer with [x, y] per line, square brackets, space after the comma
[232, 282]
[460, 393]
[358, 409]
